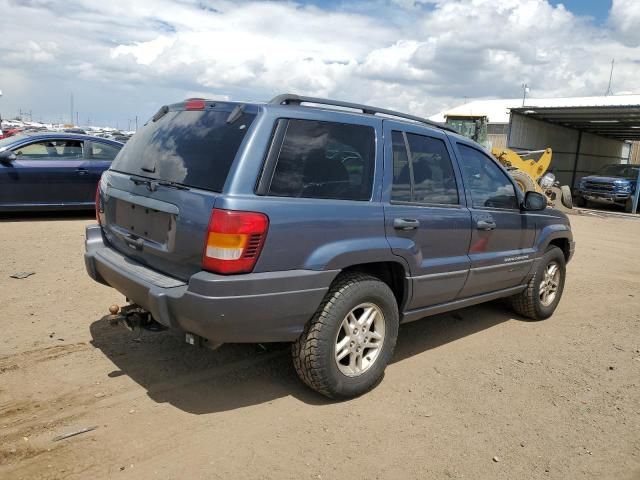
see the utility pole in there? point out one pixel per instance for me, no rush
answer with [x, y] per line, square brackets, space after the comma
[71, 109]
[136, 123]
[609, 92]
[78, 118]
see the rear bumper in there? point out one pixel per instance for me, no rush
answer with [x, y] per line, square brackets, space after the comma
[249, 308]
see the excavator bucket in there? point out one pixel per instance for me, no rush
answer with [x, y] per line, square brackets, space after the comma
[532, 167]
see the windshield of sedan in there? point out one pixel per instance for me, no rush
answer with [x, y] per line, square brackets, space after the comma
[5, 142]
[627, 171]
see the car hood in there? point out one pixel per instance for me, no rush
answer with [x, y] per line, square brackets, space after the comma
[601, 179]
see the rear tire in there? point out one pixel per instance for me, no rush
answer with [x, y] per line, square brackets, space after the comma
[359, 312]
[542, 295]
[580, 201]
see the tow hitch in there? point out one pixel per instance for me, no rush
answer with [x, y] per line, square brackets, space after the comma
[133, 317]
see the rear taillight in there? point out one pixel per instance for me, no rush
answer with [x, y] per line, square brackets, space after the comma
[99, 208]
[234, 241]
[98, 204]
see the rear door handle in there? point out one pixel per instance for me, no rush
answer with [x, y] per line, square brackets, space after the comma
[405, 223]
[486, 225]
[81, 171]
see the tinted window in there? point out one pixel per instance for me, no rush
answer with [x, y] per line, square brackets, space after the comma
[488, 184]
[193, 148]
[433, 177]
[401, 187]
[101, 151]
[325, 160]
[50, 149]
[430, 169]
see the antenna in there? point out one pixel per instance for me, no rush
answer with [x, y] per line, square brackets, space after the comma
[609, 92]
[525, 90]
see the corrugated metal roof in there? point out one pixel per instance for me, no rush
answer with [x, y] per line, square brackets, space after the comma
[621, 122]
[497, 111]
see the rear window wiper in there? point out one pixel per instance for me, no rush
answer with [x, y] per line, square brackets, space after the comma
[167, 183]
[152, 185]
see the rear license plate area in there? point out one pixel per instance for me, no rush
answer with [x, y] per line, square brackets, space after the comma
[144, 222]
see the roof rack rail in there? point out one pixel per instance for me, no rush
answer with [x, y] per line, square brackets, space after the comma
[291, 99]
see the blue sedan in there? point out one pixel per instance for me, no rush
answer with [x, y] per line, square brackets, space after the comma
[52, 170]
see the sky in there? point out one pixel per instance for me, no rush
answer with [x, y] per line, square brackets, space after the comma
[123, 59]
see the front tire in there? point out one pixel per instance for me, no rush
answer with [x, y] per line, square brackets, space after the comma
[628, 206]
[565, 197]
[542, 295]
[345, 347]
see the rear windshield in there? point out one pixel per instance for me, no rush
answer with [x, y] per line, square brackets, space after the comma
[192, 148]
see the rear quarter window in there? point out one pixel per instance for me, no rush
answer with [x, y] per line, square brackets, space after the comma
[325, 160]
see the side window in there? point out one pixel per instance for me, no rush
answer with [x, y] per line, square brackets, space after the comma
[433, 177]
[325, 160]
[428, 177]
[37, 151]
[50, 149]
[70, 148]
[101, 151]
[488, 184]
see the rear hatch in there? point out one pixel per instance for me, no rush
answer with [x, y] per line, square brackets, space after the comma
[156, 199]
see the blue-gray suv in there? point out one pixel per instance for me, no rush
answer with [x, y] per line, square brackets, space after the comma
[317, 222]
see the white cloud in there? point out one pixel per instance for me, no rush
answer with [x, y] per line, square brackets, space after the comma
[415, 55]
[145, 52]
[625, 20]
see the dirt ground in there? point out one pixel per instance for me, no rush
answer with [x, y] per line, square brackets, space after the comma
[557, 399]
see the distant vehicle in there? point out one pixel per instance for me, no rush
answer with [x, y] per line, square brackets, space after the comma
[279, 222]
[41, 171]
[121, 138]
[75, 130]
[613, 184]
[10, 132]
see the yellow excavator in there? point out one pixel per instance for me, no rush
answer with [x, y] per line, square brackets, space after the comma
[530, 173]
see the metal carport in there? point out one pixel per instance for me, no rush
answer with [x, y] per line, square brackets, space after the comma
[584, 138]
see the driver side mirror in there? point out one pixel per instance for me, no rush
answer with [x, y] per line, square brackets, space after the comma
[534, 202]
[7, 156]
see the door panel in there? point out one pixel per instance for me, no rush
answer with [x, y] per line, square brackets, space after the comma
[502, 238]
[46, 172]
[502, 257]
[432, 238]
